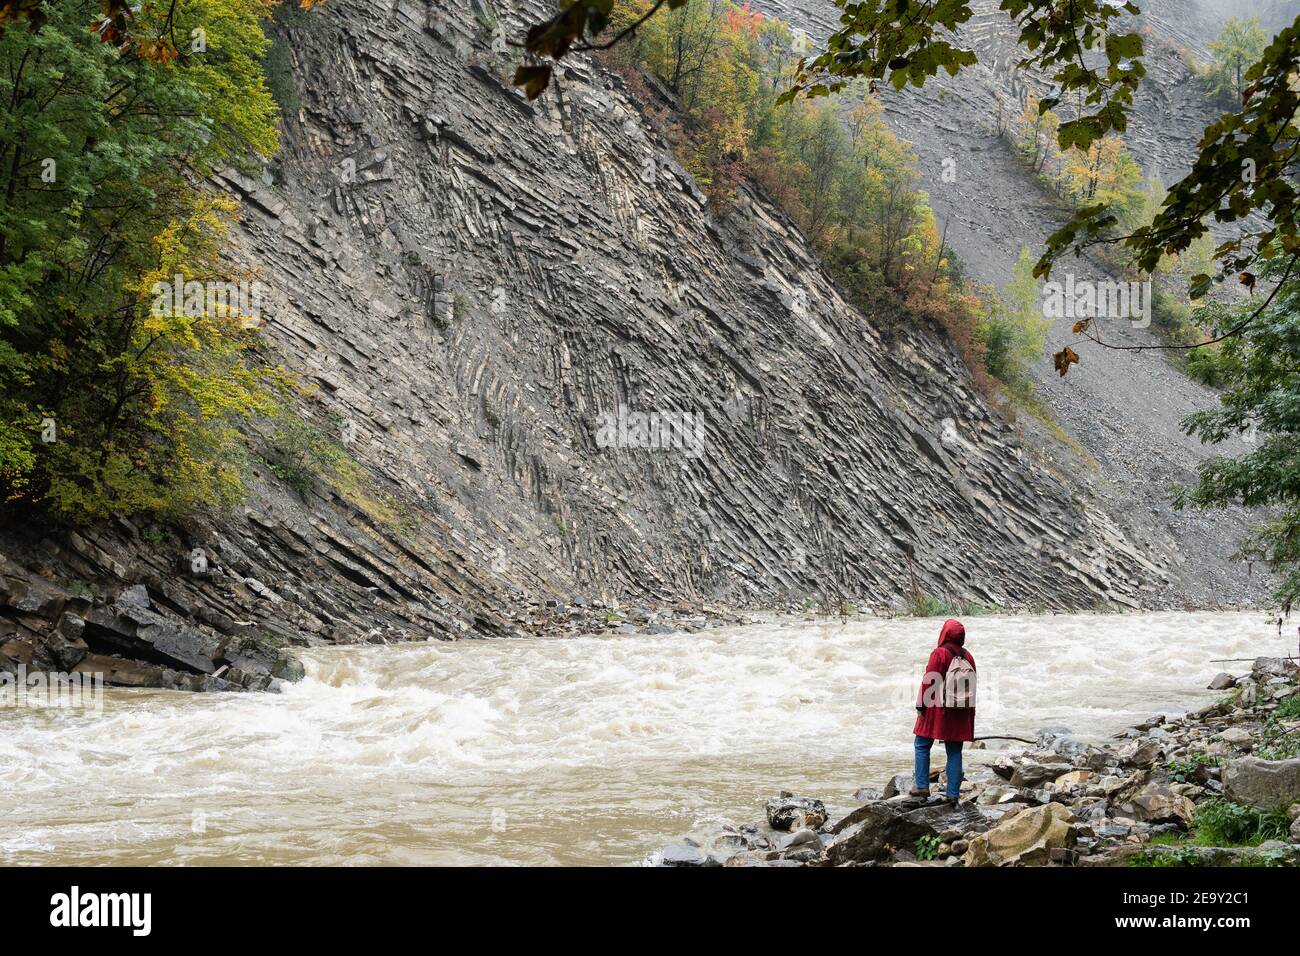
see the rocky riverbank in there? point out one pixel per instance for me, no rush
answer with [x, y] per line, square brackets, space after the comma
[1162, 793]
[207, 626]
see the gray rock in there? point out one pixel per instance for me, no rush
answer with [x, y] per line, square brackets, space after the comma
[681, 854]
[1030, 775]
[1143, 754]
[136, 594]
[1262, 783]
[790, 813]
[803, 845]
[877, 830]
[873, 832]
[1223, 681]
[898, 785]
[1236, 737]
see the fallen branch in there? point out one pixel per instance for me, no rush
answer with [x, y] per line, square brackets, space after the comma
[1021, 739]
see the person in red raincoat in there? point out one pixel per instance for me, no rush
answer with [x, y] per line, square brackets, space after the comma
[952, 725]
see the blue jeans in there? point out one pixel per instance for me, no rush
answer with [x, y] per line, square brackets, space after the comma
[922, 777]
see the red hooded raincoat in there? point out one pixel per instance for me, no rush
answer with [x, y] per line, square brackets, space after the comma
[944, 723]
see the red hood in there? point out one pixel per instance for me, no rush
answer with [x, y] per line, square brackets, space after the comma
[952, 633]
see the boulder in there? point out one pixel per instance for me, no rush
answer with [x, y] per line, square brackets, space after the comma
[950, 822]
[1060, 740]
[1026, 839]
[876, 831]
[1094, 759]
[682, 854]
[1142, 754]
[1075, 778]
[791, 813]
[1004, 767]
[1222, 681]
[1236, 737]
[873, 832]
[801, 837]
[1159, 804]
[1295, 830]
[1262, 783]
[803, 845]
[1030, 775]
[998, 794]
[1266, 667]
[899, 784]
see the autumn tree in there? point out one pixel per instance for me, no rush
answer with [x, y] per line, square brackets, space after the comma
[1105, 173]
[110, 402]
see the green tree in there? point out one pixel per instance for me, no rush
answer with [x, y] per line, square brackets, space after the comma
[1259, 370]
[1013, 329]
[1238, 47]
[110, 404]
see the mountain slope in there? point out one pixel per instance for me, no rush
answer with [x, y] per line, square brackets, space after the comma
[1123, 408]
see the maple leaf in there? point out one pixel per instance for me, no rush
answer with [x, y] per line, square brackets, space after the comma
[1063, 359]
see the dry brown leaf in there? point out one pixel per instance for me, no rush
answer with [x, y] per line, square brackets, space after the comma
[1063, 359]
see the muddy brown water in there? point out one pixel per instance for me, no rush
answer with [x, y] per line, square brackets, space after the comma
[595, 749]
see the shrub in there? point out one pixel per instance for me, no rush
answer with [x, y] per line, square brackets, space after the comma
[1181, 771]
[1220, 822]
[927, 605]
[1289, 709]
[927, 847]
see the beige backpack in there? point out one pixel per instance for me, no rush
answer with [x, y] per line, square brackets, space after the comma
[959, 683]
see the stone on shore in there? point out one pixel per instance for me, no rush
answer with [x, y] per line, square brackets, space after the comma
[1031, 776]
[1159, 804]
[787, 813]
[899, 785]
[1262, 783]
[1026, 839]
[876, 831]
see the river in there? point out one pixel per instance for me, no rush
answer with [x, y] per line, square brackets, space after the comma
[595, 749]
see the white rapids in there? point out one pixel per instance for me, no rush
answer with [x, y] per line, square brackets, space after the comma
[594, 749]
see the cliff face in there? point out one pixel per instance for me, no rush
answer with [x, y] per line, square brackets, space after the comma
[475, 286]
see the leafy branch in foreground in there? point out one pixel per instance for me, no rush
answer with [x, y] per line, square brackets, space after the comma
[906, 42]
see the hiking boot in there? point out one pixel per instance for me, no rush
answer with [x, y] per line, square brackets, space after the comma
[918, 792]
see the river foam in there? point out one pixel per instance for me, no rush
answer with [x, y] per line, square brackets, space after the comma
[585, 749]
